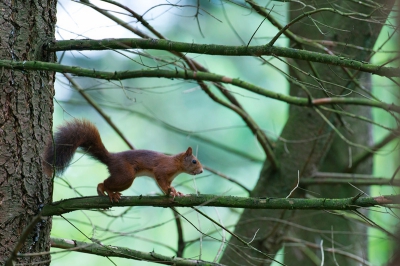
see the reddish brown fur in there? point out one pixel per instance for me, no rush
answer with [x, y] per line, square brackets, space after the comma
[124, 167]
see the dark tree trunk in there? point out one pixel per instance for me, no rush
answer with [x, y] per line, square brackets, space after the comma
[26, 102]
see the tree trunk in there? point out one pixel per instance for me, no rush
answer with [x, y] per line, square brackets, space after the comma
[310, 139]
[26, 102]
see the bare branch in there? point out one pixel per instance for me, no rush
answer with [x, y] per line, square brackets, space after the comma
[88, 203]
[122, 252]
[213, 49]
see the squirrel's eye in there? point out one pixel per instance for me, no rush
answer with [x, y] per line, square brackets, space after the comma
[194, 161]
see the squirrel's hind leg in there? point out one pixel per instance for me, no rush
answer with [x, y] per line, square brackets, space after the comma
[114, 196]
[121, 178]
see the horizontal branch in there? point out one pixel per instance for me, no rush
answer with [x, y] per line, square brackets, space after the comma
[95, 202]
[192, 75]
[328, 178]
[365, 181]
[224, 50]
[122, 252]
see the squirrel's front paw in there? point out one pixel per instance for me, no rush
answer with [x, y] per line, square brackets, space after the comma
[174, 193]
[114, 196]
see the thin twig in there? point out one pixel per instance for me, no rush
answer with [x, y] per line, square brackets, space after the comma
[316, 246]
[297, 185]
[321, 247]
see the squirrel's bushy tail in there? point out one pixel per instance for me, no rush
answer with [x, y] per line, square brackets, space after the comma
[70, 136]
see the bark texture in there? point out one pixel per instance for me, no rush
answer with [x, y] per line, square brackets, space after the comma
[313, 146]
[26, 102]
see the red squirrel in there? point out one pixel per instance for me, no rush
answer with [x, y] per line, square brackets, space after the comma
[122, 166]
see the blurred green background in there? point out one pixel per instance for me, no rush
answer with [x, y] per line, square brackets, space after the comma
[170, 115]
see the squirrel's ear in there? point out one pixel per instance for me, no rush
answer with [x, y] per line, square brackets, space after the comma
[189, 151]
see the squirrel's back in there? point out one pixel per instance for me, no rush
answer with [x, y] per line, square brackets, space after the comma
[75, 133]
